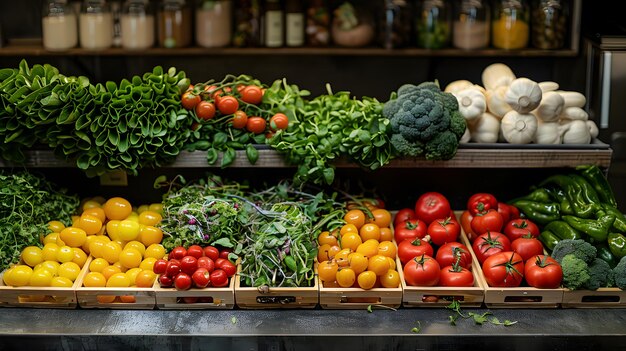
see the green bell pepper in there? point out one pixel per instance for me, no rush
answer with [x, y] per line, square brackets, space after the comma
[537, 212]
[589, 195]
[605, 254]
[597, 229]
[563, 230]
[620, 220]
[574, 193]
[598, 181]
[566, 207]
[548, 239]
[617, 244]
[538, 195]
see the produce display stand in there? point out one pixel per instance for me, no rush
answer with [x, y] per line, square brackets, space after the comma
[601, 298]
[208, 298]
[272, 298]
[357, 298]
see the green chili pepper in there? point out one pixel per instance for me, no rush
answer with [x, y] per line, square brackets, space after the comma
[620, 220]
[574, 193]
[605, 254]
[548, 239]
[598, 181]
[563, 230]
[617, 244]
[290, 262]
[538, 195]
[539, 212]
[597, 229]
[588, 193]
[566, 207]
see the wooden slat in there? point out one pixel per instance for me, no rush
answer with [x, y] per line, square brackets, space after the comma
[601, 298]
[220, 298]
[273, 298]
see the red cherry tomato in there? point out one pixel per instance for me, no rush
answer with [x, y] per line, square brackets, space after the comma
[182, 281]
[189, 100]
[211, 252]
[177, 253]
[252, 94]
[188, 264]
[256, 125]
[195, 251]
[228, 105]
[159, 266]
[206, 263]
[279, 121]
[240, 119]
[225, 252]
[205, 110]
[166, 281]
[201, 278]
[219, 278]
[173, 268]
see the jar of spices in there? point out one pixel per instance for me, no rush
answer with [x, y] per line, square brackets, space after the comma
[395, 24]
[433, 24]
[137, 25]
[247, 28]
[549, 23]
[317, 23]
[213, 23]
[510, 29]
[174, 24]
[96, 25]
[470, 28]
[59, 26]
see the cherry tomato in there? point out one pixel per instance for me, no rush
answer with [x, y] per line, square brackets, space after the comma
[228, 267]
[490, 243]
[451, 276]
[422, 271]
[225, 252]
[228, 105]
[166, 281]
[177, 253]
[173, 268]
[518, 228]
[182, 281]
[504, 269]
[327, 271]
[444, 231]
[431, 206]
[410, 229]
[366, 280]
[466, 220]
[189, 100]
[219, 278]
[403, 215]
[207, 263]
[256, 125]
[205, 110]
[527, 247]
[211, 252]
[188, 264]
[346, 277]
[505, 211]
[543, 272]
[279, 121]
[391, 279]
[481, 202]
[195, 251]
[252, 94]
[447, 255]
[408, 249]
[201, 278]
[490, 221]
[240, 119]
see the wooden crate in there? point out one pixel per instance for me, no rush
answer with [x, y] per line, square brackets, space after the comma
[357, 298]
[40, 297]
[208, 298]
[601, 298]
[143, 298]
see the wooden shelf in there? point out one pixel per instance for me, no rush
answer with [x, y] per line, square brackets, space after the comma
[465, 158]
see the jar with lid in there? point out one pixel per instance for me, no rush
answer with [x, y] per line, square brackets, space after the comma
[549, 23]
[96, 25]
[137, 25]
[433, 24]
[247, 28]
[395, 24]
[59, 25]
[213, 23]
[470, 27]
[353, 24]
[510, 29]
[174, 24]
[317, 23]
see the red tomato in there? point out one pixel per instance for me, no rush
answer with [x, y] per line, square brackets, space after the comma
[219, 278]
[211, 252]
[240, 119]
[527, 247]
[219, 262]
[205, 110]
[543, 272]
[514, 212]
[188, 264]
[519, 228]
[504, 269]
[166, 281]
[195, 251]
[228, 267]
[201, 278]
[408, 249]
[173, 268]
[447, 255]
[159, 266]
[256, 125]
[444, 231]
[505, 211]
[182, 281]
[228, 105]
[177, 253]
[207, 263]
[279, 121]
[189, 100]
[481, 202]
[431, 206]
[466, 220]
[252, 94]
[460, 276]
[224, 252]
[490, 243]
[422, 271]
[410, 230]
[490, 221]
[403, 215]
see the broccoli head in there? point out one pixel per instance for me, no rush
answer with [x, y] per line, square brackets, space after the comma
[575, 272]
[406, 148]
[442, 147]
[428, 114]
[432, 86]
[457, 124]
[407, 89]
[390, 108]
[619, 274]
[600, 275]
[577, 247]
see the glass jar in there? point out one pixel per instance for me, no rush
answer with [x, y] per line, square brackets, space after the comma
[549, 23]
[353, 24]
[247, 29]
[470, 28]
[96, 25]
[433, 24]
[213, 23]
[137, 25]
[317, 23]
[174, 24]
[509, 28]
[59, 26]
[395, 24]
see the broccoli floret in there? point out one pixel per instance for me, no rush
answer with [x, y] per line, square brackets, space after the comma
[575, 272]
[390, 108]
[404, 147]
[578, 247]
[600, 275]
[619, 274]
[442, 147]
[457, 124]
[432, 86]
[407, 89]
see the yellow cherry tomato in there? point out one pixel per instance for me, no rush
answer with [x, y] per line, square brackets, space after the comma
[128, 230]
[69, 270]
[61, 282]
[366, 280]
[98, 264]
[346, 277]
[130, 258]
[149, 218]
[117, 208]
[155, 250]
[149, 235]
[90, 224]
[73, 236]
[49, 252]
[56, 226]
[65, 254]
[94, 280]
[80, 257]
[40, 277]
[32, 255]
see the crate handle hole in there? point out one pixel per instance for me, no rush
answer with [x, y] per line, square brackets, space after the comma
[592, 298]
[437, 298]
[195, 299]
[523, 299]
[369, 300]
[283, 300]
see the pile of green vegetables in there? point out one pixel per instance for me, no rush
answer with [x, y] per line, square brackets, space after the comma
[27, 204]
[272, 231]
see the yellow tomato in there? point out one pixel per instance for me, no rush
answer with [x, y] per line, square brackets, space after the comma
[135, 245]
[118, 280]
[52, 266]
[32, 255]
[117, 208]
[149, 218]
[142, 208]
[156, 207]
[370, 231]
[65, 254]
[378, 264]
[61, 282]
[366, 280]
[89, 204]
[50, 238]
[347, 228]
[98, 264]
[112, 229]
[149, 235]
[130, 258]
[40, 277]
[94, 280]
[391, 279]
[73, 236]
[90, 224]
[49, 252]
[155, 250]
[18, 275]
[111, 252]
[351, 241]
[145, 279]
[387, 248]
[356, 217]
[346, 277]
[148, 264]
[132, 274]
[358, 262]
[108, 271]
[80, 257]
[69, 270]
[128, 230]
[56, 226]
[97, 212]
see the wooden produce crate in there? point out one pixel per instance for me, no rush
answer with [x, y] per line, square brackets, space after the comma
[40, 297]
[137, 298]
[357, 298]
[208, 298]
[601, 298]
